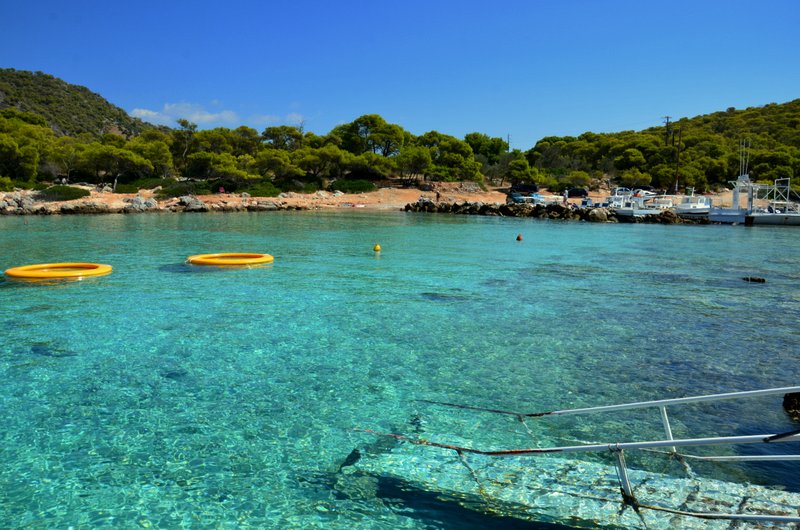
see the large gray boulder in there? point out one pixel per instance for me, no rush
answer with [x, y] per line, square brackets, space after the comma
[140, 204]
[598, 215]
[192, 204]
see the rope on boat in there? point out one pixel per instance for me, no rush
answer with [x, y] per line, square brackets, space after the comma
[458, 448]
[481, 489]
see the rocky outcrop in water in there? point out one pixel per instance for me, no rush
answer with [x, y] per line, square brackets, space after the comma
[543, 211]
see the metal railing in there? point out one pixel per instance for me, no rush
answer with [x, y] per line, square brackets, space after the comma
[618, 449]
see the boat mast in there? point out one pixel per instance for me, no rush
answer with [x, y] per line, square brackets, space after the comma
[744, 162]
[677, 156]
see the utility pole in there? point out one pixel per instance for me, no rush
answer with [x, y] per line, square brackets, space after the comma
[508, 143]
[668, 129]
[678, 156]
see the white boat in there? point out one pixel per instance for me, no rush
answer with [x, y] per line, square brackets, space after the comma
[661, 203]
[637, 207]
[617, 198]
[781, 210]
[693, 205]
[735, 214]
[742, 186]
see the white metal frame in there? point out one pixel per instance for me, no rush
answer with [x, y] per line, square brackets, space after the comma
[619, 448]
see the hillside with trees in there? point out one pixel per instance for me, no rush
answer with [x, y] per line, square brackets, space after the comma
[39, 145]
[68, 109]
[701, 152]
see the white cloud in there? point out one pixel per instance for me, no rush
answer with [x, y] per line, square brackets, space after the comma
[269, 120]
[151, 116]
[264, 120]
[293, 118]
[172, 112]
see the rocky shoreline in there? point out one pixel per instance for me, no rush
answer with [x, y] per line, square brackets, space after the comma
[555, 211]
[21, 203]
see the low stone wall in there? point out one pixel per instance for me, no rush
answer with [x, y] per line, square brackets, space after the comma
[545, 211]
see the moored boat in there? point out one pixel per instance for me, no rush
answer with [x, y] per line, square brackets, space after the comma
[735, 214]
[693, 205]
[781, 210]
[638, 207]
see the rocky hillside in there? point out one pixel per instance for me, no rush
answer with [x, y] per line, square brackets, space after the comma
[69, 109]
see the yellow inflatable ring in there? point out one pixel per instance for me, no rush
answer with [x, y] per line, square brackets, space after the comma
[230, 259]
[56, 271]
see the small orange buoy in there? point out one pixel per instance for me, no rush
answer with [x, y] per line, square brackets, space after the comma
[376, 248]
[519, 237]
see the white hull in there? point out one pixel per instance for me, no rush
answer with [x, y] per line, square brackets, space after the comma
[693, 212]
[694, 206]
[636, 212]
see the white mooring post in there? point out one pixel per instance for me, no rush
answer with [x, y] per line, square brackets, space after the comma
[667, 428]
[627, 490]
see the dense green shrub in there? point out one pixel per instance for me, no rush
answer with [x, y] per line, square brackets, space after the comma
[263, 189]
[310, 187]
[62, 193]
[179, 189]
[126, 188]
[5, 184]
[353, 186]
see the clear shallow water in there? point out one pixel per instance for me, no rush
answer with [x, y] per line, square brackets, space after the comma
[172, 396]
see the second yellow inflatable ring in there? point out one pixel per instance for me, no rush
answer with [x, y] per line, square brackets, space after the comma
[55, 271]
[230, 259]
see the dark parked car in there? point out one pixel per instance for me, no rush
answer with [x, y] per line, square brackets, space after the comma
[524, 189]
[577, 192]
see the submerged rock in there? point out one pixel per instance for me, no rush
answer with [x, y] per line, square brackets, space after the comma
[791, 404]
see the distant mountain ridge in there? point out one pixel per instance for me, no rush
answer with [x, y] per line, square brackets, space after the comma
[69, 109]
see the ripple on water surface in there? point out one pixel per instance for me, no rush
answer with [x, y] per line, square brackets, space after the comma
[172, 396]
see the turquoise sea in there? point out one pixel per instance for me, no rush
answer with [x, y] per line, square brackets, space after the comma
[171, 396]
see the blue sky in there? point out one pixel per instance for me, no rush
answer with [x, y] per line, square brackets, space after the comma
[527, 69]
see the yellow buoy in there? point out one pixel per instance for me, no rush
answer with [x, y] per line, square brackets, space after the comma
[376, 248]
